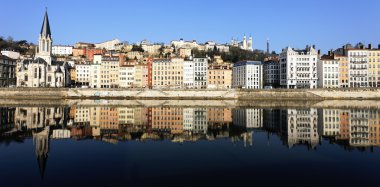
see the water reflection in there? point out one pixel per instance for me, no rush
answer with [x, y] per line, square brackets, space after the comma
[349, 128]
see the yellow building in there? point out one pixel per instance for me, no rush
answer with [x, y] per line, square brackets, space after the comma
[220, 75]
[167, 73]
[73, 74]
[374, 127]
[141, 76]
[126, 115]
[109, 71]
[374, 67]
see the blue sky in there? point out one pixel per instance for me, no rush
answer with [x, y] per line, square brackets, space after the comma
[325, 23]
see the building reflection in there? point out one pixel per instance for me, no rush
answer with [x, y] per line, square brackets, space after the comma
[350, 128]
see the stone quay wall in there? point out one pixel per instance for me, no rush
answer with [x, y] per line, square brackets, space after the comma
[231, 94]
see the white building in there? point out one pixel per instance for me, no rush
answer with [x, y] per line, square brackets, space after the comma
[126, 76]
[328, 72]
[200, 72]
[149, 48]
[95, 72]
[188, 119]
[248, 118]
[83, 74]
[108, 45]
[302, 126]
[184, 44]
[358, 67]
[247, 74]
[330, 122]
[246, 45]
[298, 68]
[210, 46]
[188, 74]
[200, 120]
[359, 127]
[62, 50]
[42, 71]
[11, 54]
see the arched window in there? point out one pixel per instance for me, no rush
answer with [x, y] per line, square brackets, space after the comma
[43, 45]
[47, 46]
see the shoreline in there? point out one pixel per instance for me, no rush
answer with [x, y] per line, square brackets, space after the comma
[296, 104]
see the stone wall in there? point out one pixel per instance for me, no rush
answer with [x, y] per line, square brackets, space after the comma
[244, 95]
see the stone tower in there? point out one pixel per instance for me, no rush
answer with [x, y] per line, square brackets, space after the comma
[45, 41]
[250, 47]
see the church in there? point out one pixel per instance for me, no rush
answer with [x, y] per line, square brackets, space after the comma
[43, 70]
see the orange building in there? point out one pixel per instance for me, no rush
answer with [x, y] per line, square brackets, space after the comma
[150, 62]
[219, 116]
[88, 53]
[167, 119]
[374, 127]
[343, 70]
[109, 120]
[344, 125]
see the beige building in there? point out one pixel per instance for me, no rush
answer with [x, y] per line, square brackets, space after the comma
[220, 75]
[184, 52]
[167, 73]
[140, 76]
[374, 67]
[109, 71]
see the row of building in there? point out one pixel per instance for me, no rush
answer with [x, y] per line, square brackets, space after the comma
[104, 67]
[358, 127]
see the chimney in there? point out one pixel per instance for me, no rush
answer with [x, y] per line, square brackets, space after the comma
[319, 52]
[378, 47]
[329, 53]
[369, 46]
[313, 46]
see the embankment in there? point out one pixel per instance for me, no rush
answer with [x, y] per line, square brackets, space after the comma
[232, 94]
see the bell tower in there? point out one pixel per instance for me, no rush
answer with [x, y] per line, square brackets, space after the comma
[45, 41]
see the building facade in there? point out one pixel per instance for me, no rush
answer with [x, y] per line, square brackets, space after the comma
[62, 50]
[200, 72]
[83, 74]
[247, 75]
[271, 73]
[7, 71]
[358, 67]
[328, 72]
[167, 73]
[220, 75]
[298, 68]
[42, 70]
[188, 74]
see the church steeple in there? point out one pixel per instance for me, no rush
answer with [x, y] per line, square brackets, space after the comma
[45, 30]
[45, 41]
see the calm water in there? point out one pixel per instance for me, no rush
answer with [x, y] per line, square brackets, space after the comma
[172, 146]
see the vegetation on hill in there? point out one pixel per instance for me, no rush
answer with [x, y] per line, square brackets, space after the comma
[234, 55]
[21, 46]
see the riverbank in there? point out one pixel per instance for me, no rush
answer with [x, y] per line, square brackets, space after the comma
[339, 104]
[231, 94]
